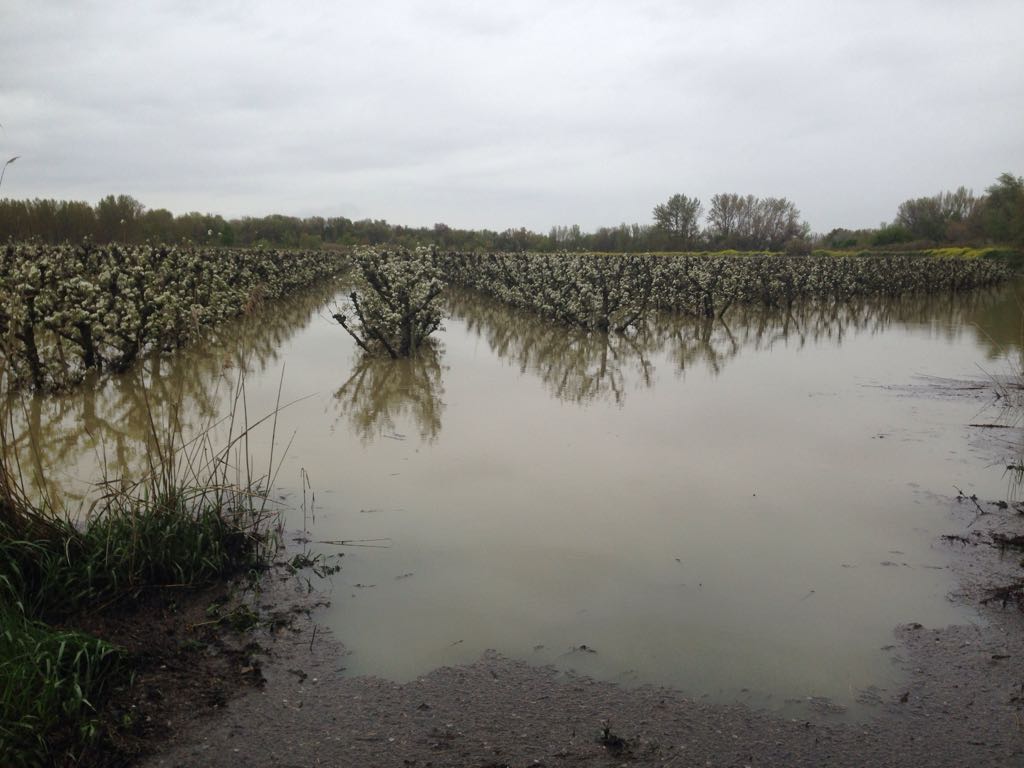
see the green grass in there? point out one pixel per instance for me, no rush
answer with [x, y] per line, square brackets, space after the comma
[52, 683]
[1000, 253]
[184, 526]
[127, 548]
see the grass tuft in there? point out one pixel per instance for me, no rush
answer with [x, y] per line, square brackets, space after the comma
[184, 526]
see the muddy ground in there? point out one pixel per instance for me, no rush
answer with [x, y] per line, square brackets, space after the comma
[962, 703]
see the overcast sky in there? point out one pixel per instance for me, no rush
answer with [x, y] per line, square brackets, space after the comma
[532, 113]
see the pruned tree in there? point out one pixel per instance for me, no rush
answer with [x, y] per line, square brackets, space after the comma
[396, 307]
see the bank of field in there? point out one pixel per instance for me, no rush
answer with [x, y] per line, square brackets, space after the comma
[98, 628]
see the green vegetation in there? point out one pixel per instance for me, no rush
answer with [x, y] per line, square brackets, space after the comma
[951, 252]
[51, 681]
[957, 218]
[184, 526]
[54, 681]
[679, 220]
[68, 310]
[733, 221]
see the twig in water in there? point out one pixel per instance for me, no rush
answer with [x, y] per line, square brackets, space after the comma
[358, 543]
[973, 498]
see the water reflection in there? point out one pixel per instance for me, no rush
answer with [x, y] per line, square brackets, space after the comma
[577, 366]
[574, 364]
[381, 390]
[110, 421]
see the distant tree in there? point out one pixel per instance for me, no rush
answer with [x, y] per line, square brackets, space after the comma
[730, 219]
[679, 218]
[227, 235]
[1002, 214]
[776, 222]
[442, 236]
[76, 220]
[891, 234]
[118, 219]
[753, 223]
[158, 226]
[922, 218]
[563, 238]
[841, 237]
[940, 218]
[522, 239]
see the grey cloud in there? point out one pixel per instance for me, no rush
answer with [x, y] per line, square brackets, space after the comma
[532, 115]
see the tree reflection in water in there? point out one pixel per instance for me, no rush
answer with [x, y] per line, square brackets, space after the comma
[382, 392]
[578, 365]
[109, 420]
[575, 364]
[56, 436]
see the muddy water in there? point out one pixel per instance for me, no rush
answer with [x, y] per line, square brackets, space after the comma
[744, 509]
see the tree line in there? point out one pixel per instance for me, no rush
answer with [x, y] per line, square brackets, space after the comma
[123, 219]
[947, 218]
[731, 221]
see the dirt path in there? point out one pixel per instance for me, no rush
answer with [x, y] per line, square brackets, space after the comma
[962, 705]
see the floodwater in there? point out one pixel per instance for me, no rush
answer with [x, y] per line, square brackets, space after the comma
[744, 509]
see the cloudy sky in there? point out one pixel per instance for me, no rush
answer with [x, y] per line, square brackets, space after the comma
[532, 113]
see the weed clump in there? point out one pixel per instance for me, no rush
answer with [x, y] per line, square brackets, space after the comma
[182, 528]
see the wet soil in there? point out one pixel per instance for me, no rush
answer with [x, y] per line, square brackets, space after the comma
[188, 651]
[962, 703]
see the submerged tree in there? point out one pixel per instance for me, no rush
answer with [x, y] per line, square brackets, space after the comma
[396, 307]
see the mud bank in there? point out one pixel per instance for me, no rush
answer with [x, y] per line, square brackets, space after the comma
[962, 703]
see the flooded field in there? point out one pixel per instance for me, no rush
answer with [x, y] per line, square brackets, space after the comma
[744, 509]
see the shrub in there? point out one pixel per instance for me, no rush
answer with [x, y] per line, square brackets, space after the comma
[396, 304]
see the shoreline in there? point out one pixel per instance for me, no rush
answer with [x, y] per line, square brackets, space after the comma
[961, 704]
